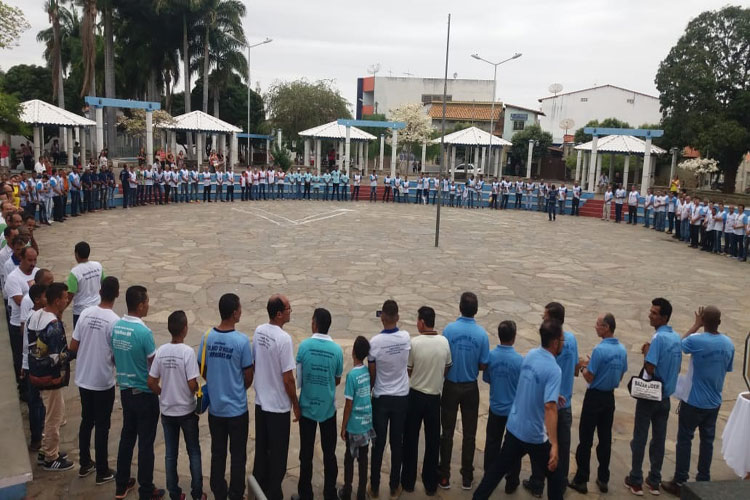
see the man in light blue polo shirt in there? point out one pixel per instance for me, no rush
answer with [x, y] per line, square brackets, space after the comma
[532, 423]
[663, 357]
[502, 374]
[320, 364]
[712, 356]
[133, 350]
[336, 179]
[603, 372]
[470, 348]
[229, 372]
[568, 363]
[327, 185]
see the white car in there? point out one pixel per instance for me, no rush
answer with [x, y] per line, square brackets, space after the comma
[468, 168]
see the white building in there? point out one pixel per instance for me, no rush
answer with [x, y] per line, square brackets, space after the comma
[381, 94]
[597, 103]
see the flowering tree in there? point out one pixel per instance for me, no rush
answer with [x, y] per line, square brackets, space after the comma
[418, 126]
[701, 167]
[135, 124]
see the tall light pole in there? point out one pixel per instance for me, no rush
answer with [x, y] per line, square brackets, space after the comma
[494, 89]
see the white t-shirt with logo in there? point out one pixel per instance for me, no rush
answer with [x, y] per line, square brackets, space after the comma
[390, 351]
[95, 367]
[85, 281]
[274, 355]
[18, 283]
[175, 364]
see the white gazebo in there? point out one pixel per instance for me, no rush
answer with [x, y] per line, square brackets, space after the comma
[202, 124]
[39, 113]
[338, 133]
[614, 145]
[486, 147]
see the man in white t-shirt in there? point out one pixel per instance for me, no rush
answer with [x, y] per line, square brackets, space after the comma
[84, 281]
[429, 361]
[95, 378]
[17, 284]
[275, 396]
[388, 360]
[174, 377]
[607, 207]
[619, 201]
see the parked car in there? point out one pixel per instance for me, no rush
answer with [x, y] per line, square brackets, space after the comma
[465, 169]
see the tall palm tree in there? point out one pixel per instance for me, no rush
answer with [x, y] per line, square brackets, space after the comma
[220, 22]
[57, 40]
[109, 71]
[88, 44]
[227, 58]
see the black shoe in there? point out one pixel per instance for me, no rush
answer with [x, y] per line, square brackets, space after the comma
[602, 486]
[59, 464]
[157, 494]
[527, 486]
[105, 478]
[41, 458]
[122, 493]
[466, 484]
[579, 487]
[672, 487]
[510, 488]
[86, 469]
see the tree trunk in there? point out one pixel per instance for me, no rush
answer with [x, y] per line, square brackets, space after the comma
[186, 76]
[168, 90]
[110, 137]
[152, 93]
[216, 102]
[205, 73]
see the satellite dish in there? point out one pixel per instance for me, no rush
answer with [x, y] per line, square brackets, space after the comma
[455, 75]
[555, 88]
[566, 124]
[373, 68]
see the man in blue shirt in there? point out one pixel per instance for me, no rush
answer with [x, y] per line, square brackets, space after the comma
[569, 365]
[603, 372]
[712, 355]
[502, 374]
[229, 371]
[662, 362]
[326, 185]
[470, 348]
[532, 423]
[320, 364]
[336, 179]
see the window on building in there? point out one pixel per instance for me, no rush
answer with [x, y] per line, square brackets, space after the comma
[518, 124]
[430, 98]
[631, 101]
[584, 99]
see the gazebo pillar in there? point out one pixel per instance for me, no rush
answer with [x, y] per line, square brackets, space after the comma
[307, 153]
[317, 155]
[234, 150]
[496, 157]
[340, 155]
[223, 144]
[598, 170]
[199, 148]
[173, 141]
[579, 157]
[394, 152]
[646, 179]
[530, 158]
[476, 160]
[424, 157]
[366, 152]
[71, 144]
[593, 176]
[611, 168]
[347, 149]
[673, 166]
[453, 161]
[482, 155]
[62, 133]
[37, 142]
[584, 170]
[100, 130]
[625, 172]
[214, 141]
[268, 151]
[382, 151]
[149, 134]
[503, 160]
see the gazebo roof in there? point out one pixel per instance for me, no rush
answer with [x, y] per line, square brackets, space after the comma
[36, 112]
[198, 121]
[622, 144]
[337, 132]
[472, 136]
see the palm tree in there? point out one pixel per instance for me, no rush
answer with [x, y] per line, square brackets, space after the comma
[227, 58]
[88, 44]
[57, 39]
[219, 22]
[109, 71]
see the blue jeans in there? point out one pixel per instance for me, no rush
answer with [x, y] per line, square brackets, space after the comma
[37, 411]
[551, 209]
[189, 426]
[646, 216]
[388, 410]
[685, 230]
[654, 414]
[689, 418]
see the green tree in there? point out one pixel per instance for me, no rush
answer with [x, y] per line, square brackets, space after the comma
[233, 103]
[581, 137]
[704, 88]
[26, 82]
[519, 151]
[9, 115]
[298, 105]
[12, 24]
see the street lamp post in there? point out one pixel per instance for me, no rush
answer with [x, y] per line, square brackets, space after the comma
[267, 40]
[494, 90]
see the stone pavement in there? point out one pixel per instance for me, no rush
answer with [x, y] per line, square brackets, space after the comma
[349, 257]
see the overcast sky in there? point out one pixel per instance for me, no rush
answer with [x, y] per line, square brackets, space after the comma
[575, 43]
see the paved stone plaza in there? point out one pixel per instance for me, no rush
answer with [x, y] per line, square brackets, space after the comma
[350, 257]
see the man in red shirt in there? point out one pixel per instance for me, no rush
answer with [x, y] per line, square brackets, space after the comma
[4, 155]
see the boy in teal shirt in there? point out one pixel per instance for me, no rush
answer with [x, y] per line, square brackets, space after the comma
[356, 427]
